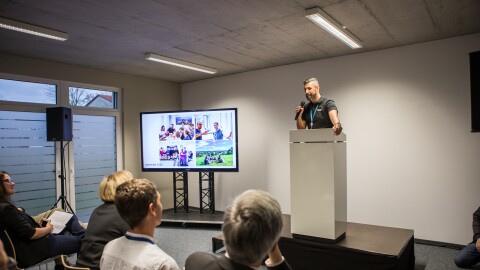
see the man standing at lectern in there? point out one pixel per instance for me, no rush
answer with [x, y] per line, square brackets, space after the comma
[320, 112]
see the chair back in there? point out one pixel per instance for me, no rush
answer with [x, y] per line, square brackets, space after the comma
[8, 244]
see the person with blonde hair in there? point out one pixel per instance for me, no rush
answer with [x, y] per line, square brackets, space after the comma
[105, 223]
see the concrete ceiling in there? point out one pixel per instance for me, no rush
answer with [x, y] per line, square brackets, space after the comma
[231, 36]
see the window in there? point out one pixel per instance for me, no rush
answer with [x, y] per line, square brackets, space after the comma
[34, 162]
[20, 91]
[95, 148]
[84, 97]
[29, 158]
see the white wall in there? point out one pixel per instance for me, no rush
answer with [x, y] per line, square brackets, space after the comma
[412, 161]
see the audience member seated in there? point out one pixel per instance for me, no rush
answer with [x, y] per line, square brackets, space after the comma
[105, 223]
[219, 159]
[207, 160]
[138, 203]
[470, 255]
[34, 243]
[251, 230]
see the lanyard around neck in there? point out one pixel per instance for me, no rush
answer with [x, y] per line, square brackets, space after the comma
[138, 238]
[312, 114]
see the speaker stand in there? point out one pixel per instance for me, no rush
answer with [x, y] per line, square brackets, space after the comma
[63, 198]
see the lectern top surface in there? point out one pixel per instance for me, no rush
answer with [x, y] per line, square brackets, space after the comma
[316, 135]
[376, 239]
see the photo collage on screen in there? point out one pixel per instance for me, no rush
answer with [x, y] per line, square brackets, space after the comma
[189, 140]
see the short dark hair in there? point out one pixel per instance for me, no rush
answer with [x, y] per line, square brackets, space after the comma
[315, 80]
[133, 199]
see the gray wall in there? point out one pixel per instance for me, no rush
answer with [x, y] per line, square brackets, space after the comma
[412, 161]
[139, 94]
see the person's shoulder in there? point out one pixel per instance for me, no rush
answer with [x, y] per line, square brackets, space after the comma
[203, 255]
[115, 242]
[169, 264]
[329, 103]
[104, 210]
[161, 259]
[7, 208]
[200, 260]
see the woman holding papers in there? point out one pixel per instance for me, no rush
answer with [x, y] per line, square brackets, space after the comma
[33, 242]
[105, 223]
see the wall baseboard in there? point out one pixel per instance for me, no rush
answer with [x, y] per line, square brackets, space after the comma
[438, 244]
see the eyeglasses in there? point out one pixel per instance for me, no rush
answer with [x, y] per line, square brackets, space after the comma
[8, 180]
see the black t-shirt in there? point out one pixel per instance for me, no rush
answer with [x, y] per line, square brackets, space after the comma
[319, 113]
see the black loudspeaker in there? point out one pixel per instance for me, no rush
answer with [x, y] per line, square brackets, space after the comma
[475, 89]
[59, 124]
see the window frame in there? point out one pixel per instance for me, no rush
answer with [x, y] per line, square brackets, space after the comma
[62, 100]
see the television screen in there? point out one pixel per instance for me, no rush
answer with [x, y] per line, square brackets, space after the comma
[200, 140]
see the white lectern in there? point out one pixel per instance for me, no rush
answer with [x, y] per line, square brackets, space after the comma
[318, 184]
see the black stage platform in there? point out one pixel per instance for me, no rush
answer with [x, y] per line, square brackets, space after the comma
[366, 247]
[193, 217]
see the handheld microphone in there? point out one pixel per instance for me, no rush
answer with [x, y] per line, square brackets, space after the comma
[298, 113]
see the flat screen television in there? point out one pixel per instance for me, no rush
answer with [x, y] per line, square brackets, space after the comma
[199, 140]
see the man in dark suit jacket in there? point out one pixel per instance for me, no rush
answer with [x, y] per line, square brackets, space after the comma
[251, 229]
[470, 255]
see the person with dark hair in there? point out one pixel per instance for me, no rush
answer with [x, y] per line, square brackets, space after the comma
[34, 243]
[470, 255]
[171, 129]
[182, 132]
[206, 160]
[251, 230]
[161, 135]
[138, 203]
[187, 135]
[198, 131]
[217, 134]
[320, 112]
[105, 223]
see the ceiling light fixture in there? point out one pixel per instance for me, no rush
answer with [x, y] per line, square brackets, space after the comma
[322, 19]
[179, 63]
[32, 29]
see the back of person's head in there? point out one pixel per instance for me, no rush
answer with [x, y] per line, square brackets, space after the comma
[251, 226]
[4, 196]
[108, 185]
[133, 198]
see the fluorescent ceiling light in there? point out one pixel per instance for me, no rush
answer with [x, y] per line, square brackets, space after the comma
[322, 19]
[179, 63]
[32, 29]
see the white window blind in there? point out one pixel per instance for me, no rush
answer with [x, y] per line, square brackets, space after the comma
[29, 158]
[95, 155]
